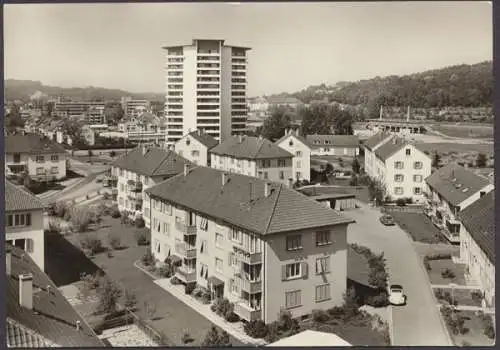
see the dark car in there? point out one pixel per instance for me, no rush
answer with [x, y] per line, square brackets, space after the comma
[387, 220]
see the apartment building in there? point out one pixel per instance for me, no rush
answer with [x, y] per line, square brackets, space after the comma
[145, 127]
[195, 147]
[451, 189]
[295, 144]
[206, 88]
[253, 156]
[477, 244]
[399, 165]
[95, 116]
[134, 107]
[262, 245]
[42, 159]
[37, 314]
[258, 104]
[139, 169]
[24, 222]
[63, 108]
[334, 145]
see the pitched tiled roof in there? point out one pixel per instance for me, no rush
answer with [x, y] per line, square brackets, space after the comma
[18, 336]
[52, 317]
[479, 220]
[31, 143]
[18, 198]
[295, 135]
[204, 139]
[390, 147]
[333, 140]
[154, 162]
[324, 190]
[373, 141]
[451, 181]
[249, 147]
[283, 210]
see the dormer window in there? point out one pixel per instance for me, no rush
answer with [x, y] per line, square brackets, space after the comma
[188, 142]
[408, 151]
[290, 143]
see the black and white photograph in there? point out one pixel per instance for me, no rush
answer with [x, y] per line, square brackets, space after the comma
[249, 174]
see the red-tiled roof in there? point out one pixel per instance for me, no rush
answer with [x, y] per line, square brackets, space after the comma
[293, 135]
[376, 139]
[205, 139]
[18, 198]
[32, 144]
[249, 147]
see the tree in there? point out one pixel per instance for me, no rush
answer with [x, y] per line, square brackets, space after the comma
[274, 127]
[113, 112]
[436, 160]
[112, 154]
[81, 218]
[109, 294]
[324, 119]
[481, 160]
[356, 167]
[213, 338]
[377, 190]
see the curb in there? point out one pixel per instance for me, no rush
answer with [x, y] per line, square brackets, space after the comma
[145, 271]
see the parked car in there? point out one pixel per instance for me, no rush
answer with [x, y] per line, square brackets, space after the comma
[387, 220]
[396, 295]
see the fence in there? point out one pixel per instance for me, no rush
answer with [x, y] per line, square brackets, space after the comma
[157, 337]
[408, 208]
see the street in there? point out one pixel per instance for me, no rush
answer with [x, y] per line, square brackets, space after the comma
[418, 323]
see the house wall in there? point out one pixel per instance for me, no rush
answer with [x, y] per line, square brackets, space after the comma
[47, 165]
[273, 172]
[276, 256]
[233, 165]
[478, 264]
[335, 151]
[33, 232]
[189, 118]
[189, 151]
[300, 164]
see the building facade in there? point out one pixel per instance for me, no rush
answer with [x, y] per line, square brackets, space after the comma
[333, 145]
[40, 158]
[24, 222]
[261, 265]
[195, 147]
[206, 89]
[134, 107]
[253, 156]
[293, 143]
[63, 108]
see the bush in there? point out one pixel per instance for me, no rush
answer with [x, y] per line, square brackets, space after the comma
[401, 202]
[489, 329]
[115, 213]
[114, 241]
[256, 329]
[142, 237]
[427, 264]
[438, 256]
[54, 226]
[148, 259]
[109, 294]
[166, 270]
[81, 218]
[130, 299]
[91, 243]
[189, 288]
[232, 317]
[273, 333]
[105, 196]
[60, 209]
[320, 316]
[214, 338]
[286, 322]
[476, 296]
[175, 281]
[379, 300]
[139, 223]
[447, 273]
[222, 307]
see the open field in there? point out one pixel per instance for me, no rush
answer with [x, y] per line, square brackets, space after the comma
[456, 147]
[465, 131]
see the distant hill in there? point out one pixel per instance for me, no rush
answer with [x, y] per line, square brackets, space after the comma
[460, 85]
[23, 89]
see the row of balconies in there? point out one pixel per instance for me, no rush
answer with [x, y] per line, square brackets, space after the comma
[134, 186]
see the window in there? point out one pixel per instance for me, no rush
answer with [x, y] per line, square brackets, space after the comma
[54, 170]
[281, 163]
[29, 246]
[40, 171]
[156, 224]
[204, 224]
[323, 238]
[195, 153]
[167, 209]
[203, 271]
[298, 163]
[417, 178]
[417, 190]
[326, 149]
[218, 240]
[166, 229]
[292, 271]
[19, 220]
[298, 154]
[399, 178]
[121, 172]
[323, 265]
[290, 143]
[417, 165]
[235, 235]
[398, 165]
[282, 175]
[398, 190]
[54, 158]
[232, 160]
[203, 247]
[482, 193]
[266, 163]
[120, 200]
[294, 242]
[265, 175]
[40, 159]
[17, 158]
[322, 292]
[218, 265]
[157, 246]
[292, 299]
[408, 151]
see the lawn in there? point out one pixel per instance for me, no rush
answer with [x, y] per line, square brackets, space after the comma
[475, 334]
[461, 296]
[444, 147]
[419, 227]
[438, 266]
[466, 131]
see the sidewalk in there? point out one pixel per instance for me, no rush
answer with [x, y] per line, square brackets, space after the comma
[234, 329]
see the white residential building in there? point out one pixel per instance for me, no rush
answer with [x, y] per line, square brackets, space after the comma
[206, 89]
[134, 107]
[195, 147]
[333, 145]
[293, 143]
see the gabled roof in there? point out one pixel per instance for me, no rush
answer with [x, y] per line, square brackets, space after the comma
[376, 139]
[32, 144]
[241, 202]
[249, 147]
[208, 141]
[17, 198]
[316, 141]
[52, 316]
[19, 336]
[391, 147]
[294, 135]
[152, 161]
[479, 220]
[455, 183]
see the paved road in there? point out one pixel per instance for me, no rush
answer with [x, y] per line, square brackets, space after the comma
[418, 323]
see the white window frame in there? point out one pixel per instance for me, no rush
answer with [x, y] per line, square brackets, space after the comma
[219, 269]
[323, 265]
[417, 188]
[54, 158]
[415, 177]
[396, 190]
[323, 234]
[293, 271]
[218, 239]
[19, 220]
[292, 239]
[399, 176]
[40, 159]
[399, 165]
[297, 297]
[323, 295]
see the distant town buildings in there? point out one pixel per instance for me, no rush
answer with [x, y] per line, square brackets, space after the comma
[195, 147]
[134, 107]
[64, 108]
[253, 156]
[206, 88]
[333, 145]
[144, 128]
[295, 144]
[278, 101]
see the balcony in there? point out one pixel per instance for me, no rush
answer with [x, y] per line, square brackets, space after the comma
[134, 186]
[246, 312]
[185, 275]
[245, 256]
[186, 229]
[136, 197]
[185, 250]
[249, 286]
[453, 238]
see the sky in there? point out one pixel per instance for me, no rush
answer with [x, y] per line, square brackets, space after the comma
[294, 45]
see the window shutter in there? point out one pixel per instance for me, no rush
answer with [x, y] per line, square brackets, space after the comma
[318, 266]
[29, 245]
[304, 270]
[28, 219]
[283, 273]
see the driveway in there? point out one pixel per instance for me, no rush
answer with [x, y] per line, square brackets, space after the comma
[418, 323]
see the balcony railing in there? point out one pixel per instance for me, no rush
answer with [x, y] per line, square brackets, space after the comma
[134, 186]
[249, 286]
[246, 312]
[452, 237]
[185, 250]
[186, 229]
[246, 256]
[185, 275]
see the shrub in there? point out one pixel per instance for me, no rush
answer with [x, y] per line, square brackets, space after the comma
[115, 213]
[91, 243]
[256, 329]
[232, 317]
[222, 307]
[139, 223]
[273, 333]
[142, 237]
[320, 316]
[189, 288]
[476, 296]
[166, 270]
[401, 202]
[427, 264]
[489, 329]
[439, 293]
[286, 322]
[80, 218]
[438, 256]
[105, 196]
[114, 241]
[109, 293]
[130, 299]
[350, 306]
[54, 226]
[214, 338]
[175, 281]
[148, 259]
[379, 300]
[60, 209]
[447, 273]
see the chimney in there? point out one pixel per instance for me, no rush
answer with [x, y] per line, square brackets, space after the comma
[26, 290]
[8, 261]
[78, 325]
[290, 182]
[186, 169]
[224, 179]
[266, 189]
